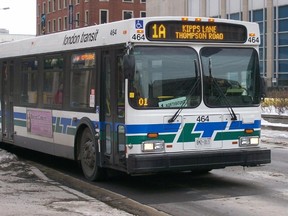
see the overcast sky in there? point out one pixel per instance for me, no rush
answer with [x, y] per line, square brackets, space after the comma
[20, 18]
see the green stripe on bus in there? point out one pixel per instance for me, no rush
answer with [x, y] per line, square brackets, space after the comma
[233, 135]
[71, 131]
[139, 139]
[187, 135]
[19, 123]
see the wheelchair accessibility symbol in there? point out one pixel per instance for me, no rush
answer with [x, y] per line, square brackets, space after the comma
[139, 24]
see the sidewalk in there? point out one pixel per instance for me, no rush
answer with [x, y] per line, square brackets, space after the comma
[26, 191]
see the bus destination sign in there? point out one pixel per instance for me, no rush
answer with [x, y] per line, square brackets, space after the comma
[196, 31]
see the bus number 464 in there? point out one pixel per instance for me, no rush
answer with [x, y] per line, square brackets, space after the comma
[253, 40]
[202, 119]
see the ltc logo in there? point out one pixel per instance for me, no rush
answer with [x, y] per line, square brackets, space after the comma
[139, 24]
[203, 130]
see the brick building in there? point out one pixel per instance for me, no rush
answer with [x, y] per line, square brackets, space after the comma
[61, 15]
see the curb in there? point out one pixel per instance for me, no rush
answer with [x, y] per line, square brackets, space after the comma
[103, 195]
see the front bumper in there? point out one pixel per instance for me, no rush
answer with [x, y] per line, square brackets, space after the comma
[196, 160]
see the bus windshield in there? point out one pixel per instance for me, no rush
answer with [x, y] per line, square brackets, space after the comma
[231, 76]
[165, 77]
[170, 77]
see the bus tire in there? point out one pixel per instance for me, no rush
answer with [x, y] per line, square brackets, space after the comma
[88, 157]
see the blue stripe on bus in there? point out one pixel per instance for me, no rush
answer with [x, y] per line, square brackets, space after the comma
[19, 115]
[152, 128]
[208, 128]
[240, 125]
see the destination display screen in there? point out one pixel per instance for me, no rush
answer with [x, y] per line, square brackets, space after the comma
[196, 32]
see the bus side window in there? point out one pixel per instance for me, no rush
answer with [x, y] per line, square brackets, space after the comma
[53, 80]
[81, 84]
[29, 76]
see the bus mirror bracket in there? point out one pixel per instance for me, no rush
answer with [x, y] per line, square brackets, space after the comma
[129, 66]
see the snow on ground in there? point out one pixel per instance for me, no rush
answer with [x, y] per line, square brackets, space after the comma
[25, 192]
[274, 136]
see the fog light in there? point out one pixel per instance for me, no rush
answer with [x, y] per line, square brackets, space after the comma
[153, 146]
[254, 141]
[249, 141]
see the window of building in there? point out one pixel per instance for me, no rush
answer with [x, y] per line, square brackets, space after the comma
[235, 16]
[65, 3]
[142, 13]
[49, 6]
[54, 25]
[258, 15]
[142, 1]
[29, 77]
[283, 79]
[65, 23]
[49, 27]
[44, 8]
[283, 52]
[77, 21]
[130, 1]
[77, 2]
[59, 4]
[59, 24]
[282, 11]
[127, 15]
[283, 66]
[53, 81]
[54, 5]
[283, 39]
[104, 16]
[86, 17]
[283, 25]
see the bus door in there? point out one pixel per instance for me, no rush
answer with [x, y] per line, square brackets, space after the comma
[112, 109]
[7, 130]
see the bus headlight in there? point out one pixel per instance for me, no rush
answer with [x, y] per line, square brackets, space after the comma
[153, 146]
[249, 141]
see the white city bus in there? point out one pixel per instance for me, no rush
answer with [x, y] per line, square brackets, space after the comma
[141, 96]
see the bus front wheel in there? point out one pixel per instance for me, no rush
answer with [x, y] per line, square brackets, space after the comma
[88, 157]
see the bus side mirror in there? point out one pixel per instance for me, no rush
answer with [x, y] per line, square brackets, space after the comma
[263, 88]
[129, 66]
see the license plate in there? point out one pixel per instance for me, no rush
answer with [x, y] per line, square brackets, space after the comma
[203, 143]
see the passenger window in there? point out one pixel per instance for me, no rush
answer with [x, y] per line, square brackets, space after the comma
[53, 81]
[29, 76]
[81, 88]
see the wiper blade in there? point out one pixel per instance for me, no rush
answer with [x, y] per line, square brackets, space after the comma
[194, 87]
[229, 107]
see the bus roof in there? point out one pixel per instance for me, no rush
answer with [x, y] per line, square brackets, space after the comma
[132, 30]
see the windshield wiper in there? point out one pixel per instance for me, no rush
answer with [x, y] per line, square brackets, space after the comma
[229, 107]
[192, 90]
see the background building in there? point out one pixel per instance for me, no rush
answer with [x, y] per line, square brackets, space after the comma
[167, 7]
[272, 16]
[60, 15]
